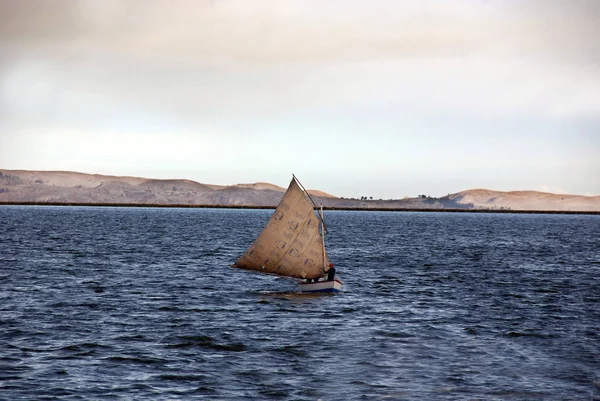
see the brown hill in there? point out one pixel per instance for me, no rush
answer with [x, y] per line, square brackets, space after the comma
[74, 187]
[19, 186]
[260, 186]
[526, 200]
[267, 186]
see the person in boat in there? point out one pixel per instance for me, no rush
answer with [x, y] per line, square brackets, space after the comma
[331, 272]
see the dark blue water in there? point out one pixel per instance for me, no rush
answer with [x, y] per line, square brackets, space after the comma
[105, 303]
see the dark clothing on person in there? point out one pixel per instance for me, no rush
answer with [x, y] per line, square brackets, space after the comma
[331, 274]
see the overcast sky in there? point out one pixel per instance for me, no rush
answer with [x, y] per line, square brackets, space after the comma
[376, 98]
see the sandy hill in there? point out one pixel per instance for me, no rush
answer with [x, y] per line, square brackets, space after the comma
[271, 187]
[261, 186]
[526, 200]
[68, 178]
[73, 187]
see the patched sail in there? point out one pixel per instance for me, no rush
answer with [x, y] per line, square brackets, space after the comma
[290, 244]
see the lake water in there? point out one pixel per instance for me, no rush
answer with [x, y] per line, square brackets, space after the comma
[140, 303]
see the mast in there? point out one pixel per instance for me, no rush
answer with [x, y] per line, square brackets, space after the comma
[323, 234]
[313, 202]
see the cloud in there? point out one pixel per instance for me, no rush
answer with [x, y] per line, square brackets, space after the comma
[310, 31]
[208, 62]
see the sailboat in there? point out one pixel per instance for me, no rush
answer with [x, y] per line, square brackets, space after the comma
[292, 244]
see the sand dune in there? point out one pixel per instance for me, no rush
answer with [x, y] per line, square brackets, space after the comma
[73, 187]
[526, 200]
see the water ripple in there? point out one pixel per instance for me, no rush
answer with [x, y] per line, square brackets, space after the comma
[143, 304]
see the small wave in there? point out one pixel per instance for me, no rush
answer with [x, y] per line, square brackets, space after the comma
[532, 335]
[84, 347]
[15, 369]
[393, 334]
[273, 296]
[90, 305]
[136, 337]
[60, 304]
[136, 360]
[366, 384]
[204, 342]
[473, 330]
[292, 349]
[275, 393]
[253, 374]
[171, 309]
[519, 394]
[183, 378]
[8, 377]
[205, 391]
[211, 252]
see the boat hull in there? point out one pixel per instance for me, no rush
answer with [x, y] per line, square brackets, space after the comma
[321, 286]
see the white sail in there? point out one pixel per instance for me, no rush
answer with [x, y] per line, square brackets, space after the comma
[290, 244]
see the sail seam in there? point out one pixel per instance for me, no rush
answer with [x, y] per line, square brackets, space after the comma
[292, 240]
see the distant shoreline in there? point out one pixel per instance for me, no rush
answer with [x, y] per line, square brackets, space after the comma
[358, 209]
[64, 188]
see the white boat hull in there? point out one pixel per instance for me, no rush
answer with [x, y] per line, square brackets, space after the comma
[321, 286]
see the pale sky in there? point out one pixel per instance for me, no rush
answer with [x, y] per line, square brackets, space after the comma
[376, 98]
